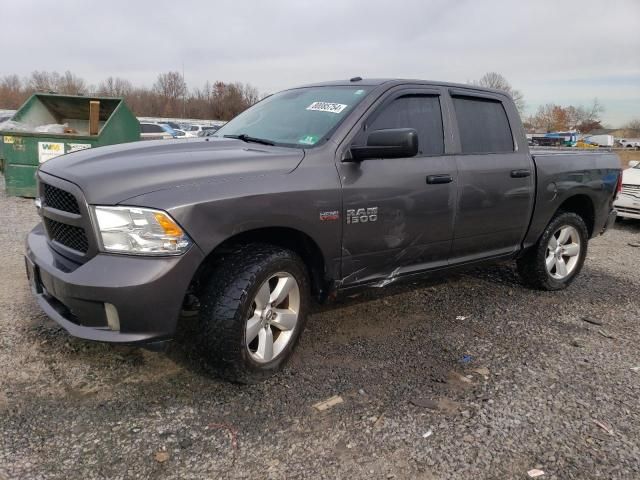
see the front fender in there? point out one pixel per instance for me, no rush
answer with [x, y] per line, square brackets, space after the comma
[215, 211]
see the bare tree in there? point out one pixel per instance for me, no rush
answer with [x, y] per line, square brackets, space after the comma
[12, 92]
[498, 82]
[585, 119]
[632, 129]
[251, 94]
[543, 119]
[170, 85]
[115, 87]
[42, 81]
[70, 84]
[229, 99]
[171, 88]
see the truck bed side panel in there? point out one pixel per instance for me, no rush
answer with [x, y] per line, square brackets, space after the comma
[562, 175]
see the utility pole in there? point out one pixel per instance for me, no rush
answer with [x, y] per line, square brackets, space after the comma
[184, 94]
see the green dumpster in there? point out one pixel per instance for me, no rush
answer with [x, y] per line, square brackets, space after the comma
[49, 125]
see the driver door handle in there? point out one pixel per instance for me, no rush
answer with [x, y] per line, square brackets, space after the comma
[436, 179]
[520, 173]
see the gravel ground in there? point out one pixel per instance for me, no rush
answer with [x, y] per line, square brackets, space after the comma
[474, 377]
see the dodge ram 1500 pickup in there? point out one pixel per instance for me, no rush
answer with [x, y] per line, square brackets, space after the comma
[311, 192]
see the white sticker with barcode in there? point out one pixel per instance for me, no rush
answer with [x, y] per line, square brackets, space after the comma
[327, 107]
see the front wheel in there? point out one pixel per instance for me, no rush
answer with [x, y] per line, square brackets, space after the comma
[554, 262]
[253, 309]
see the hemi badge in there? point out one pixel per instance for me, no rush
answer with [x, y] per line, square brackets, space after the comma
[330, 216]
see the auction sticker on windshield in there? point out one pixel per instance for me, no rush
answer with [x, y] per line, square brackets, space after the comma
[308, 140]
[327, 107]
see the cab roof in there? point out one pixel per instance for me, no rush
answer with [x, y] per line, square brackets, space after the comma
[391, 82]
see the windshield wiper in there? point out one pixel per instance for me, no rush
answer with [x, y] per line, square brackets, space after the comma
[246, 138]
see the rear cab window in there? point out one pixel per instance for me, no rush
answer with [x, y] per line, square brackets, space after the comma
[483, 125]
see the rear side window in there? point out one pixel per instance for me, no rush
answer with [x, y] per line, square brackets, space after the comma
[421, 112]
[483, 125]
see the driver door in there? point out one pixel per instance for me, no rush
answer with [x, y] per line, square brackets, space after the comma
[399, 212]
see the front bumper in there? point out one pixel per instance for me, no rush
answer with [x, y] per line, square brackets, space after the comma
[628, 206]
[146, 292]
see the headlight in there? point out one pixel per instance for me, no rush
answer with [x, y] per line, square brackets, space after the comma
[140, 231]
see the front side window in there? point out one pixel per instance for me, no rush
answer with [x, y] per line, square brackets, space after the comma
[420, 112]
[301, 118]
[483, 125]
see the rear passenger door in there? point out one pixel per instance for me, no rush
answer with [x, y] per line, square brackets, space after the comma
[399, 211]
[496, 177]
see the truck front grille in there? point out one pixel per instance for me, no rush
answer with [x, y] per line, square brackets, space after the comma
[66, 218]
[59, 199]
[629, 189]
[67, 235]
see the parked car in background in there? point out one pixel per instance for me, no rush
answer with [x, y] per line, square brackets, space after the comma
[208, 131]
[628, 201]
[196, 130]
[155, 131]
[176, 132]
[630, 143]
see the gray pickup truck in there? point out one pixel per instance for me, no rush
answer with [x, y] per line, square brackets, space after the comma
[311, 192]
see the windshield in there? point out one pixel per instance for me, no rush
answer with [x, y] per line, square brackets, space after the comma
[301, 118]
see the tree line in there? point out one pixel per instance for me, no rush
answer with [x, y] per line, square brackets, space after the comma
[168, 97]
[556, 118]
[549, 117]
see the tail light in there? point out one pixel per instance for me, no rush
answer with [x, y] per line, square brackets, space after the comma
[619, 185]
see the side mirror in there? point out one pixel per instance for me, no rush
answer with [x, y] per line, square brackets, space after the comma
[390, 143]
[633, 163]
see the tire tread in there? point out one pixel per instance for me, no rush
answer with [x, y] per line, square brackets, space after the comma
[222, 296]
[531, 266]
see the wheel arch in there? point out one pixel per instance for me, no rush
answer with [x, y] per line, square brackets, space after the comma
[285, 237]
[583, 206]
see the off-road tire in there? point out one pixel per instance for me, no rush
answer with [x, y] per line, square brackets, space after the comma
[226, 296]
[532, 267]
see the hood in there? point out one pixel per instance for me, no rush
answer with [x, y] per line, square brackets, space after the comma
[631, 176]
[110, 175]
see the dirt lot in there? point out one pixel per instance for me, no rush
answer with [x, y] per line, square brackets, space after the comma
[476, 377]
[626, 155]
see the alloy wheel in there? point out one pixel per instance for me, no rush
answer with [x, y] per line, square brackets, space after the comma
[273, 317]
[563, 252]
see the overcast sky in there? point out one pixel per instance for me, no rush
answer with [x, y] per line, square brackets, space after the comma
[561, 52]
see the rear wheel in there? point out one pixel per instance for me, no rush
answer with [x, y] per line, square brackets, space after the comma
[253, 310]
[557, 258]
